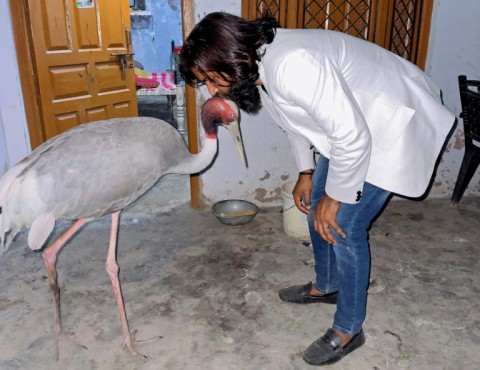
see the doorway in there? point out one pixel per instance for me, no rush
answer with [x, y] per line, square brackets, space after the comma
[156, 37]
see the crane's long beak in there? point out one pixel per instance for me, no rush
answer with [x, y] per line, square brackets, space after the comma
[234, 129]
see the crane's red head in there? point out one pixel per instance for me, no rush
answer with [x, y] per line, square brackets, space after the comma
[222, 111]
[217, 111]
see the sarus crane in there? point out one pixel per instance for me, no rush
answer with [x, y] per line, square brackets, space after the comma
[97, 169]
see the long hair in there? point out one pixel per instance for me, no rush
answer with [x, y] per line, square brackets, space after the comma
[228, 45]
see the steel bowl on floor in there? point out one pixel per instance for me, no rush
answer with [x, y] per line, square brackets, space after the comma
[234, 212]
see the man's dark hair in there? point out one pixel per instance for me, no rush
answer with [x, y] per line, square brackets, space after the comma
[228, 45]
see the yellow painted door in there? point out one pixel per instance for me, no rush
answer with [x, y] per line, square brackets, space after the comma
[77, 55]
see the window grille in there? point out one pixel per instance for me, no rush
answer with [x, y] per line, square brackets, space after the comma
[393, 24]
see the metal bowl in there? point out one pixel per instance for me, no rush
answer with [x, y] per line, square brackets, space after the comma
[235, 212]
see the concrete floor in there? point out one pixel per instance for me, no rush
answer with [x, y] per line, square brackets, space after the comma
[210, 292]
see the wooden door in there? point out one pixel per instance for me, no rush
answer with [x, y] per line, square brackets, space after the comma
[79, 79]
[401, 26]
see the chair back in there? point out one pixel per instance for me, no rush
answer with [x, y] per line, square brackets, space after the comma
[470, 98]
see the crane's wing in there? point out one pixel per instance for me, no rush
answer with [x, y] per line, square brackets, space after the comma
[41, 228]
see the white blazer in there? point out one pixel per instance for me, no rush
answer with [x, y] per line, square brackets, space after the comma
[376, 116]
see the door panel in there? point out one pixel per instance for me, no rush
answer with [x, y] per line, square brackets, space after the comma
[79, 80]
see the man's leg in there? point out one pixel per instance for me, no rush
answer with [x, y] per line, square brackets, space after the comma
[344, 266]
[324, 254]
[352, 255]
[325, 265]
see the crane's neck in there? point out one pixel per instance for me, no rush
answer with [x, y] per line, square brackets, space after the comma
[198, 162]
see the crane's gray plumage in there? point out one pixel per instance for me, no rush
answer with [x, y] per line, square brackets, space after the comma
[92, 170]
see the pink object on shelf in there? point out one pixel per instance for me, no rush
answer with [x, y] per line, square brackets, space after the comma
[146, 83]
[165, 79]
[154, 81]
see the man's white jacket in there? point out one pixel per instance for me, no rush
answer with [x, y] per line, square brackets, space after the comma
[376, 116]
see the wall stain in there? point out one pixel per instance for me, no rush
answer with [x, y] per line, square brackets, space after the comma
[284, 177]
[448, 147]
[266, 177]
[459, 140]
[261, 195]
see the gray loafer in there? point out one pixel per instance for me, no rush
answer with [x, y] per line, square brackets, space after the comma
[301, 294]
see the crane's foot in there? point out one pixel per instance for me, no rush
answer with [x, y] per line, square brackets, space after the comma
[129, 343]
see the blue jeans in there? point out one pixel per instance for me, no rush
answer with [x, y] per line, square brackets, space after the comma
[345, 266]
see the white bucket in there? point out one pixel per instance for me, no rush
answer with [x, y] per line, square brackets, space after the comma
[294, 222]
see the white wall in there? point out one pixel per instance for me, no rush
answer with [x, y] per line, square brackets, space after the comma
[454, 49]
[204, 7]
[14, 140]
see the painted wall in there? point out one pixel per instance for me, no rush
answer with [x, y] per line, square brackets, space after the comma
[204, 7]
[14, 140]
[454, 50]
[152, 33]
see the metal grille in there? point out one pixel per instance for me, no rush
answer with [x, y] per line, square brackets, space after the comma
[270, 7]
[393, 24]
[346, 16]
[403, 28]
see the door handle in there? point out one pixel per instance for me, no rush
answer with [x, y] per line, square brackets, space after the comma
[123, 59]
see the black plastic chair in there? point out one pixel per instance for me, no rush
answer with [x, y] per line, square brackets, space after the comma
[470, 98]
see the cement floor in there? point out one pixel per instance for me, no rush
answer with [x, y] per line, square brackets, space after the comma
[210, 292]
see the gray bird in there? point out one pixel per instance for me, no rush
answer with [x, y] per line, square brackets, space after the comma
[98, 169]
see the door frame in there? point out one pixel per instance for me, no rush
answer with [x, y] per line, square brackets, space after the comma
[188, 22]
[28, 79]
[29, 85]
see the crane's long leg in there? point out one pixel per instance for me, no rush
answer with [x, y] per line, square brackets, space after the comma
[50, 260]
[112, 270]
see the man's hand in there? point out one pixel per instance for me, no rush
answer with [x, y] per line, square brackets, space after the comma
[326, 218]
[301, 193]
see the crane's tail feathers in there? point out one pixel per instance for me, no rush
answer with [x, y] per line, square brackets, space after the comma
[8, 226]
[6, 239]
[40, 230]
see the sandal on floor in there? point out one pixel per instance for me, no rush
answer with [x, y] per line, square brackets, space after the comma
[328, 349]
[301, 294]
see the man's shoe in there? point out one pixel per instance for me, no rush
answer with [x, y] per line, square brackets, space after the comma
[328, 349]
[301, 294]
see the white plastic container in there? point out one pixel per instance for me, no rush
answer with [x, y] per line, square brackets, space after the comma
[294, 222]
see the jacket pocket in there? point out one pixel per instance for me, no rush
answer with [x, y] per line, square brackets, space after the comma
[395, 127]
[386, 121]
